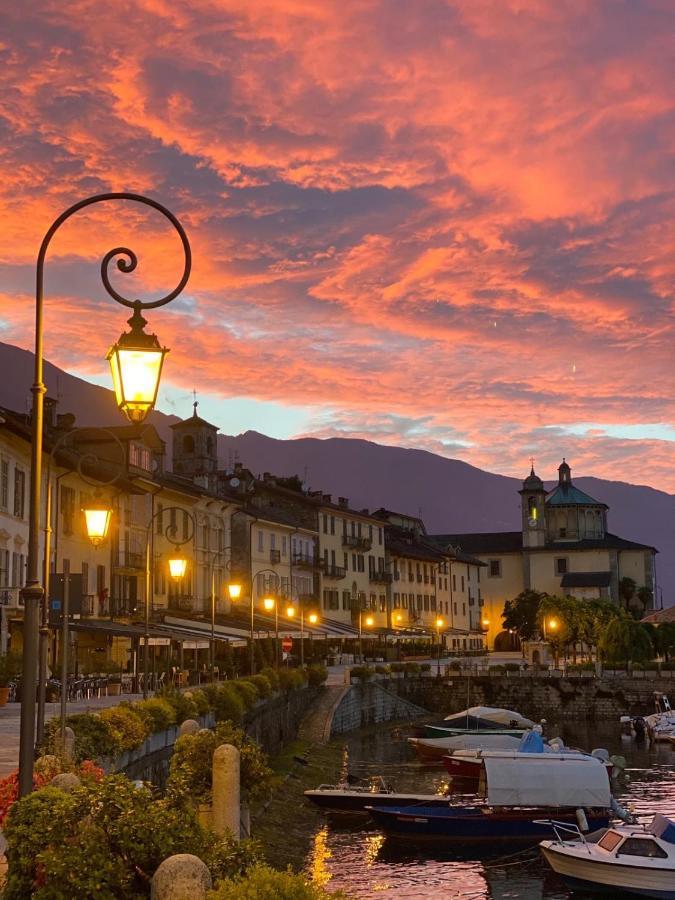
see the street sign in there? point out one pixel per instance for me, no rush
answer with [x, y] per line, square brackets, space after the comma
[287, 644]
[156, 642]
[195, 645]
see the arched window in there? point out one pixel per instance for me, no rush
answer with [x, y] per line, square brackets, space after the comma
[188, 444]
[532, 508]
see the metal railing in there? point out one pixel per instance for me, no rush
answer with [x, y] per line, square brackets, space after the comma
[356, 543]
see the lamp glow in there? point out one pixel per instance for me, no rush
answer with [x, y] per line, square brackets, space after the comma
[553, 624]
[268, 603]
[234, 591]
[369, 621]
[177, 567]
[313, 618]
[290, 611]
[439, 623]
[97, 517]
[136, 362]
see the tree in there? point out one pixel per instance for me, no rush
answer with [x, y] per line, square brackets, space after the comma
[627, 588]
[522, 614]
[594, 617]
[625, 640]
[645, 597]
[663, 638]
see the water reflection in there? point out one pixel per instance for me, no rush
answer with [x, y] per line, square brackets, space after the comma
[358, 859]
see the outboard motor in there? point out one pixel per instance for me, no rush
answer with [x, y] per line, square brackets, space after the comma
[640, 728]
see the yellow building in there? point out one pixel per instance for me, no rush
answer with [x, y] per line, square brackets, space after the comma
[563, 548]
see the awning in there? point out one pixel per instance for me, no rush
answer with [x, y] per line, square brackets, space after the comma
[119, 629]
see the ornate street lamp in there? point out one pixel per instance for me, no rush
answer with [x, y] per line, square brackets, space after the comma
[97, 515]
[33, 592]
[136, 365]
[234, 590]
[177, 566]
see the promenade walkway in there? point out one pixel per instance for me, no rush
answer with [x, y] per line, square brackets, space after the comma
[10, 718]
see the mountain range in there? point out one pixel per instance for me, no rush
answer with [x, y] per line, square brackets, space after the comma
[450, 495]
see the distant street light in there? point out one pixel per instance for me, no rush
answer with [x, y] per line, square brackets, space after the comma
[439, 624]
[135, 397]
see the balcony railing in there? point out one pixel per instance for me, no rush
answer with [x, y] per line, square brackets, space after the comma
[335, 572]
[380, 577]
[356, 543]
[304, 561]
[129, 558]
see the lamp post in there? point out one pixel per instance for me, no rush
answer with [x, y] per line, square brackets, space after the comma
[313, 619]
[97, 516]
[369, 624]
[135, 397]
[439, 624]
[553, 626]
[234, 590]
[270, 602]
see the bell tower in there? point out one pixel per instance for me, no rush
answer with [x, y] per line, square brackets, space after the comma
[533, 510]
[195, 450]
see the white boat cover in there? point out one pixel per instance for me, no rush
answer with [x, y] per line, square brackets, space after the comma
[471, 742]
[550, 779]
[504, 717]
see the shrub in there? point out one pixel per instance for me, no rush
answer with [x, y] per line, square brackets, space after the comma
[261, 683]
[93, 738]
[412, 668]
[191, 767]
[498, 669]
[363, 673]
[382, 670]
[228, 704]
[425, 667]
[159, 714]
[397, 667]
[316, 675]
[512, 667]
[264, 883]
[183, 704]
[289, 679]
[105, 841]
[272, 676]
[201, 701]
[127, 728]
[247, 691]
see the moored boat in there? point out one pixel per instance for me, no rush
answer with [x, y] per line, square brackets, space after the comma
[434, 749]
[468, 764]
[619, 859]
[354, 798]
[519, 795]
[479, 720]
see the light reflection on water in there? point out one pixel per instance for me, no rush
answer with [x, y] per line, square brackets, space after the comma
[358, 859]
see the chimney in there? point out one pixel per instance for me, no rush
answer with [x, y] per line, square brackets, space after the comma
[343, 502]
[50, 405]
[327, 498]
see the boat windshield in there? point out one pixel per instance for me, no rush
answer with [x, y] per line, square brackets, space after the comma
[634, 846]
[610, 840]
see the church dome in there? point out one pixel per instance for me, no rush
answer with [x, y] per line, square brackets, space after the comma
[533, 482]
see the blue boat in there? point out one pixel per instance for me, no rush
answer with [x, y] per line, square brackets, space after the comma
[470, 824]
[521, 795]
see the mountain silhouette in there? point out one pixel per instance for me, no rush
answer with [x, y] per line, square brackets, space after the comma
[450, 495]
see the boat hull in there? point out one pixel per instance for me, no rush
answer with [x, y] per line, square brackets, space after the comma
[586, 873]
[439, 731]
[471, 824]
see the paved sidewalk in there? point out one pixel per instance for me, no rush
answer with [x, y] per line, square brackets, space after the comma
[10, 719]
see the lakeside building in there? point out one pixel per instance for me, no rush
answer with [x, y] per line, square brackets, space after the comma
[563, 548]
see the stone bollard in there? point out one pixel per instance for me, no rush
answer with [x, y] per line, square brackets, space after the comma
[189, 726]
[66, 781]
[226, 811]
[181, 877]
[69, 744]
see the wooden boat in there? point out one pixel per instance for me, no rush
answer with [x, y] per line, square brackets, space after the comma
[478, 720]
[354, 798]
[621, 859]
[519, 795]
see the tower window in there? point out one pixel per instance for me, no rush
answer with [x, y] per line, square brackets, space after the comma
[188, 444]
[495, 568]
[561, 566]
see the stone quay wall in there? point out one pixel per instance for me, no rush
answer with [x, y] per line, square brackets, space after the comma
[370, 704]
[559, 698]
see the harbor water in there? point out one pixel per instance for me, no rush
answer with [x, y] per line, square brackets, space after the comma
[356, 857]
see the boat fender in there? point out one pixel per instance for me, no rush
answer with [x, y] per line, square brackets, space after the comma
[582, 821]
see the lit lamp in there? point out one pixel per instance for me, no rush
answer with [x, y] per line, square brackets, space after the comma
[177, 567]
[97, 516]
[439, 624]
[398, 618]
[290, 611]
[369, 621]
[234, 591]
[136, 364]
[313, 618]
[268, 603]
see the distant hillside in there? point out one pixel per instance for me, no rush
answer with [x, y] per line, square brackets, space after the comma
[450, 495]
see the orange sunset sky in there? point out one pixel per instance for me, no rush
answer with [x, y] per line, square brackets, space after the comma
[446, 225]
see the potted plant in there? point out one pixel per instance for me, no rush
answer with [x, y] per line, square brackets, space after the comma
[115, 679]
[10, 666]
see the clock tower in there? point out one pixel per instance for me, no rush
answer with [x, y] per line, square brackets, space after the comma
[533, 507]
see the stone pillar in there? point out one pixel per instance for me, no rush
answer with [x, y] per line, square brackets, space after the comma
[69, 744]
[181, 877]
[189, 726]
[226, 806]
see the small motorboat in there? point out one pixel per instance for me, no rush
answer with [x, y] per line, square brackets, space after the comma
[658, 727]
[433, 750]
[519, 795]
[617, 859]
[354, 798]
[481, 720]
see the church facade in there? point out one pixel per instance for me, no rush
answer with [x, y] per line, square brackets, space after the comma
[562, 548]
